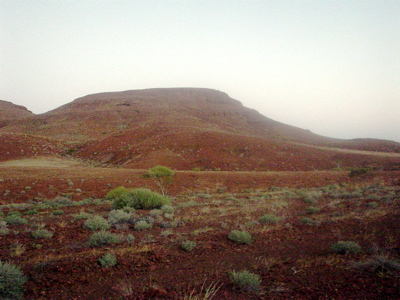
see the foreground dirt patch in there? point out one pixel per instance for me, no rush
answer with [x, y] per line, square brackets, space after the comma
[292, 255]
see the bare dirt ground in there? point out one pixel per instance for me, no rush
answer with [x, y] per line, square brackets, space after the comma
[41, 162]
[352, 151]
[293, 256]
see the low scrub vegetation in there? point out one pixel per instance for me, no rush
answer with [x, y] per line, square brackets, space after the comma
[246, 281]
[148, 235]
[42, 234]
[188, 245]
[136, 198]
[12, 281]
[96, 223]
[102, 238]
[108, 260]
[240, 237]
[344, 247]
[269, 219]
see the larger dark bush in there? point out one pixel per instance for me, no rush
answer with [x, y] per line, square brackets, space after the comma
[136, 198]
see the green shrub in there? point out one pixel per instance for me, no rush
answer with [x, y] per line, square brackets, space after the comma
[155, 212]
[378, 263]
[162, 176]
[15, 219]
[42, 234]
[168, 209]
[142, 225]
[96, 222]
[247, 281]
[129, 238]
[269, 219]
[240, 237]
[120, 197]
[58, 212]
[31, 212]
[108, 260]
[103, 238]
[136, 198]
[146, 199]
[117, 193]
[344, 247]
[188, 245]
[3, 228]
[118, 216]
[188, 204]
[81, 216]
[12, 281]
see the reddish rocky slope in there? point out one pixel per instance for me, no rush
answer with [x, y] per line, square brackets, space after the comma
[188, 128]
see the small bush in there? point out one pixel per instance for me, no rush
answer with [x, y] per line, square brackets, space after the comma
[103, 238]
[108, 260]
[168, 209]
[247, 281]
[344, 247]
[118, 216]
[136, 198]
[3, 228]
[117, 193]
[129, 238]
[42, 234]
[142, 225]
[17, 249]
[155, 212]
[15, 220]
[188, 204]
[81, 216]
[12, 281]
[269, 219]
[120, 197]
[96, 223]
[240, 237]
[188, 245]
[31, 212]
[146, 199]
[58, 212]
[379, 263]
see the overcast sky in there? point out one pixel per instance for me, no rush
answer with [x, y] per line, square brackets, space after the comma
[332, 67]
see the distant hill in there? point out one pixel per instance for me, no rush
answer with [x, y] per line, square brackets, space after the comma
[10, 112]
[188, 128]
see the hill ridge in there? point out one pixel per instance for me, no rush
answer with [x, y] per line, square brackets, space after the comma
[187, 128]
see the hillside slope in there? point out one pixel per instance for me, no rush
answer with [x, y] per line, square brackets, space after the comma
[10, 112]
[84, 118]
[188, 128]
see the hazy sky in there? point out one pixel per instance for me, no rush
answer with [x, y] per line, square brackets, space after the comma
[332, 67]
